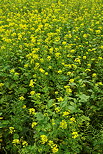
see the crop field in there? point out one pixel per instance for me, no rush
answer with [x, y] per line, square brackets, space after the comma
[51, 76]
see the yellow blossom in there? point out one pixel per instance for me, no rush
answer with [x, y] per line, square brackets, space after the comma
[75, 135]
[84, 57]
[60, 71]
[24, 143]
[72, 120]
[41, 70]
[85, 35]
[66, 113]
[21, 98]
[55, 149]
[60, 99]
[24, 106]
[46, 73]
[31, 111]
[1, 118]
[31, 83]
[12, 71]
[1, 84]
[57, 109]
[71, 80]
[16, 141]
[44, 139]
[11, 130]
[33, 124]
[26, 65]
[63, 124]
[32, 92]
[94, 75]
[50, 143]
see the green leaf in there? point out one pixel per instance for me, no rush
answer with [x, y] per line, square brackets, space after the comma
[15, 136]
[83, 98]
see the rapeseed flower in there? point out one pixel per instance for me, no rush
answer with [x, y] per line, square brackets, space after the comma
[63, 124]
[44, 139]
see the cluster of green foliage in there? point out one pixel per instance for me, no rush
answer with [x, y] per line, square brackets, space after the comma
[51, 73]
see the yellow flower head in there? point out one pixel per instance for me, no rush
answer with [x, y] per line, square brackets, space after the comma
[72, 120]
[11, 130]
[33, 124]
[31, 83]
[60, 99]
[63, 124]
[16, 141]
[94, 75]
[32, 92]
[44, 139]
[12, 71]
[1, 84]
[24, 143]
[31, 111]
[75, 135]
[55, 149]
[71, 80]
[24, 106]
[21, 98]
[66, 113]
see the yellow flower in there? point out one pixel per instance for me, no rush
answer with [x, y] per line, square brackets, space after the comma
[60, 99]
[68, 91]
[44, 139]
[24, 106]
[21, 98]
[84, 57]
[85, 35]
[26, 65]
[66, 113]
[94, 75]
[12, 71]
[24, 143]
[72, 120]
[31, 83]
[33, 124]
[87, 69]
[46, 73]
[56, 92]
[50, 143]
[77, 60]
[55, 149]
[53, 123]
[57, 54]
[68, 73]
[41, 70]
[31, 111]
[64, 43]
[16, 73]
[1, 118]
[11, 130]
[98, 31]
[63, 124]
[60, 71]
[101, 46]
[57, 109]
[100, 58]
[32, 92]
[71, 80]
[1, 84]
[16, 141]
[75, 135]
[49, 57]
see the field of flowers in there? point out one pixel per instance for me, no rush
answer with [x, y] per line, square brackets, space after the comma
[51, 76]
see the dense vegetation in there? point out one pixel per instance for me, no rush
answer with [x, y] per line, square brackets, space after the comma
[51, 76]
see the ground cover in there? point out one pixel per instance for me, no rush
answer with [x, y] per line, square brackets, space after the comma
[51, 76]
